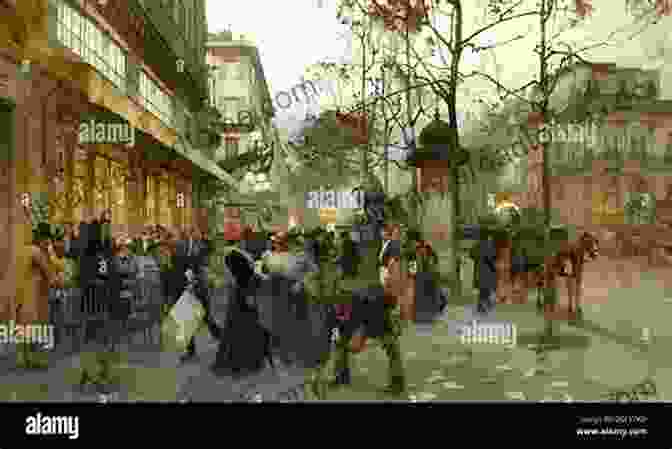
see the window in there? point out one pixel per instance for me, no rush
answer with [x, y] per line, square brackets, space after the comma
[640, 208]
[492, 203]
[187, 126]
[213, 97]
[231, 148]
[109, 188]
[117, 193]
[150, 199]
[155, 100]
[166, 194]
[178, 14]
[229, 107]
[96, 48]
[234, 70]
[80, 176]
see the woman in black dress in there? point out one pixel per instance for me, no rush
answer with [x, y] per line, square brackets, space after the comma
[245, 344]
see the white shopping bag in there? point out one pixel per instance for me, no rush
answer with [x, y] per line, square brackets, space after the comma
[188, 314]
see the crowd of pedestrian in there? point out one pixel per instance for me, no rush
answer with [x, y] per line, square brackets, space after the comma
[103, 267]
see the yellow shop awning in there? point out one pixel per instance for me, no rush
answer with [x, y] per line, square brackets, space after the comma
[30, 29]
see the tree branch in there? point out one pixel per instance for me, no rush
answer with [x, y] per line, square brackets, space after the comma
[497, 22]
[500, 86]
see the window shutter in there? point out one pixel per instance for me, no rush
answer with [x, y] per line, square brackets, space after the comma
[52, 24]
[132, 77]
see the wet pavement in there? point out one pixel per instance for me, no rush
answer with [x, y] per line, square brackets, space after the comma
[584, 362]
[147, 374]
[608, 350]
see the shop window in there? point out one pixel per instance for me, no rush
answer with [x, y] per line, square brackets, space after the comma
[640, 208]
[109, 189]
[80, 189]
[166, 194]
[150, 199]
[117, 194]
[231, 148]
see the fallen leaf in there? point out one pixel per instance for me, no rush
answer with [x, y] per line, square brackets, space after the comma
[515, 395]
[646, 334]
[411, 354]
[559, 384]
[435, 379]
[452, 386]
[504, 368]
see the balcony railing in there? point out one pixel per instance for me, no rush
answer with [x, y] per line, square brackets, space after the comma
[164, 45]
[576, 157]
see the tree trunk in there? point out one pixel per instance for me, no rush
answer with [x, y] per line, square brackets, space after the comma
[545, 181]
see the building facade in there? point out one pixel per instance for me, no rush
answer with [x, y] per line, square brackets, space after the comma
[240, 94]
[138, 69]
[238, 90]
[610, 143]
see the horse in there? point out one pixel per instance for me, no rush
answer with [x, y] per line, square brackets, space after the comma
[567, 263]
[571, 260]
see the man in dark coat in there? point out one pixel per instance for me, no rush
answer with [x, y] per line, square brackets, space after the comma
[349, 258]
[374, 315]
[487, 275]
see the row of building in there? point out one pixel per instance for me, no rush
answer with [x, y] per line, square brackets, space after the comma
[146, 67]
[610, 142]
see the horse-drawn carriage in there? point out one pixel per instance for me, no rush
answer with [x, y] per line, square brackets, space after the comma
[516, 253]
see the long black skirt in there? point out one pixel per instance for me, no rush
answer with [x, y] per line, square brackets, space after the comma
[244, 344]
[430, 300]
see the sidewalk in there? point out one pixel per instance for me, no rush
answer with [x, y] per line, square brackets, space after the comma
[605, 352]
[602, 354]
[147, 374]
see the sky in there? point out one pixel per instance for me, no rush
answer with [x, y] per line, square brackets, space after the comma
[290, 34]
[293, 34]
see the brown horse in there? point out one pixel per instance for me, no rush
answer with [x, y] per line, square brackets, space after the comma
[571, 259]
[568, 263]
